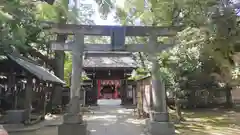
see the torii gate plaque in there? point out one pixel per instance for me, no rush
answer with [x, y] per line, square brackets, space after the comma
[73, 124]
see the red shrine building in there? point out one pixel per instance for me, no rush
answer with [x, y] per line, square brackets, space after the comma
[112, 86]
[109, 73]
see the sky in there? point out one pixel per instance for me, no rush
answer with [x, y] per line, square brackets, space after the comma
[96, 16]
[110, 19]
[98, 20]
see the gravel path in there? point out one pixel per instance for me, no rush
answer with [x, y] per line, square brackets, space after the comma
[109, 119]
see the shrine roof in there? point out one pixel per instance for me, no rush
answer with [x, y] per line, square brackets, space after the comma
[109, 60]
[35, 69]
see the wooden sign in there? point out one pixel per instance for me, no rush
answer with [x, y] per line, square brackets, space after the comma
[118, 38]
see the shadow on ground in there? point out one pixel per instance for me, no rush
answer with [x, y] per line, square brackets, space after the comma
[115, 120]
[210, 122]
[109, 118]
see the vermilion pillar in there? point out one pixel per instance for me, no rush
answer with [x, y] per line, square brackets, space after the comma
[116, 92]
[116, 89]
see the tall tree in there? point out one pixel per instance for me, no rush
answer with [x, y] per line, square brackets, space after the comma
[62, 13]
[213, 26]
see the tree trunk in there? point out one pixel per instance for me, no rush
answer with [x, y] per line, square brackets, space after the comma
[229, 102]
[44, 90]
[178, 109]
[49, 105]
[28, 99]
[60, 57]
[178, 106]
[123, 93]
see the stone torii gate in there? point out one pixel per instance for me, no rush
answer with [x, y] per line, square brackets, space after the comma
[159, 121]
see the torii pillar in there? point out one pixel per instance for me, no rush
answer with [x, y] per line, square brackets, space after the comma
[159, 123]
[73, 123]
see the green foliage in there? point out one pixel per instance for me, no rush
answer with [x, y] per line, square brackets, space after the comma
[105, 7]
[207, 43]
[60, 12]
[19, 26]
[205, 46]
[67, 68]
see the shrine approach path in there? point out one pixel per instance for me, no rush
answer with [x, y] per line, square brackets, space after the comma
[109, 118]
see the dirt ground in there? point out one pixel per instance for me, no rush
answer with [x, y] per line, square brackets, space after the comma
[109, 118]
[112, 119]
[210, 122]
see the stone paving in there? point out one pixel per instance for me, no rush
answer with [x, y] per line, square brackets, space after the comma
[109, 118]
